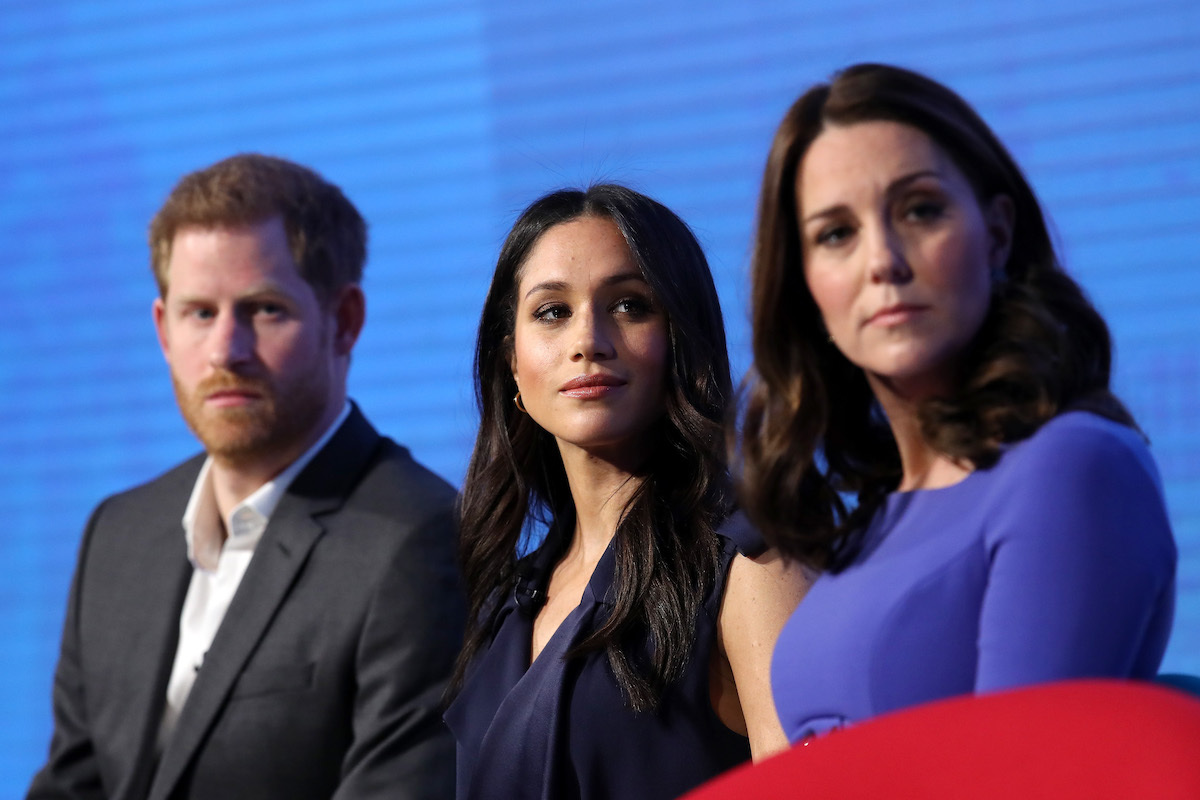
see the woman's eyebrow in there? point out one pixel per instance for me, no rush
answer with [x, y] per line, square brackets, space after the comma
[893, 187]
[558, 286]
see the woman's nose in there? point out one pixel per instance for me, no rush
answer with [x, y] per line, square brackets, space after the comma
[593, 341]
[886, 261]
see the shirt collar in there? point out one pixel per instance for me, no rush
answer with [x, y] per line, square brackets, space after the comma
[204, 530]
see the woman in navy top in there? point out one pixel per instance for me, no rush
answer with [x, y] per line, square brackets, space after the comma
[930, 420]
[628, 655]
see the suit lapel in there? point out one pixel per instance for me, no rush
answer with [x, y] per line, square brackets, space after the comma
[162, 584]
[278, 560]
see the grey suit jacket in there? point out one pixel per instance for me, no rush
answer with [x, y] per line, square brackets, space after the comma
[325, 677]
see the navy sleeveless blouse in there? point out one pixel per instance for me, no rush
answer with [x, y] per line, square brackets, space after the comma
[561, 730]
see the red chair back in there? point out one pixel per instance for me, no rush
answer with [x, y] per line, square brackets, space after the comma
[1093, 739]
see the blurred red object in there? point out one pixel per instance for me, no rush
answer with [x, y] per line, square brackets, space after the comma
[1094, 739]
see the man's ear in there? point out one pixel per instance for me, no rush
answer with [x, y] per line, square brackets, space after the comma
[1000, 216]
[349, 315]
[159, 311]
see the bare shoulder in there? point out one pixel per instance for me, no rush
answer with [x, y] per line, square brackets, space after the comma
[765, 584]
[760, 595]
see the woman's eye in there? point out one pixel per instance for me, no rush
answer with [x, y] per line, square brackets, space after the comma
[551, 312]
[632, 305]
[833, 235]
[925, 210]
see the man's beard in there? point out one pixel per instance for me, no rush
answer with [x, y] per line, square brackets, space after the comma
[281, 419]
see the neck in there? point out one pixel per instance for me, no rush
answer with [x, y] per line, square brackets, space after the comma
[234, 478]
[233, 483]
[600, 489]
[922, 466]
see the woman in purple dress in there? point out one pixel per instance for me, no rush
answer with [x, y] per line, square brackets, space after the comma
[628, 655]
[930, 420]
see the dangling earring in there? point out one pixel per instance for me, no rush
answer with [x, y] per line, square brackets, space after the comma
[517, 403]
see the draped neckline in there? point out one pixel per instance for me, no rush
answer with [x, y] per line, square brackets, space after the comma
[596, 591]
[521, 750]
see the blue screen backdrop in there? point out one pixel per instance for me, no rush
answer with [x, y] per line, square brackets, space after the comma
[441, 120]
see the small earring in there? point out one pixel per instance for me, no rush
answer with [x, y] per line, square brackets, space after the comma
[517, 403]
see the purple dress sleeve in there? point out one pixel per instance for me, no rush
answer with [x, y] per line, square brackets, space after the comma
[1057, 562]
[1081, 559]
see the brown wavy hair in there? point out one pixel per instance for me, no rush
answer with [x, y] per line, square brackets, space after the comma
[666, 544]
[816, 456]
[326, 235]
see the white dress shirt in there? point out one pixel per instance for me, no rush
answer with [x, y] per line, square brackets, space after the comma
[219, 562]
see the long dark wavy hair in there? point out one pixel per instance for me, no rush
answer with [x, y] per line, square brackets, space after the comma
[813, 435]
[666, 544]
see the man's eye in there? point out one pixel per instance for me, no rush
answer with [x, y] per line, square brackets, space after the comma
[271, 309]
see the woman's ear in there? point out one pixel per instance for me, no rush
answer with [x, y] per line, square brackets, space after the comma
[999, 216]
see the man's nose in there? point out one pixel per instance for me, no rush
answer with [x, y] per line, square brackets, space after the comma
[232, 341]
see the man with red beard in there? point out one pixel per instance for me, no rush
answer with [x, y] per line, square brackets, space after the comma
[277, 616]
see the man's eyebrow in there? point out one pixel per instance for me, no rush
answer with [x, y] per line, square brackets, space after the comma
[266, 290]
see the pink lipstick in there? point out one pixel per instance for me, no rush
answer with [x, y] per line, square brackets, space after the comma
[591, 387]
[896, 314]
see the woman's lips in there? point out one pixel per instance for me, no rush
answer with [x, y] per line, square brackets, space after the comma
[896, 314]
[589, 387]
